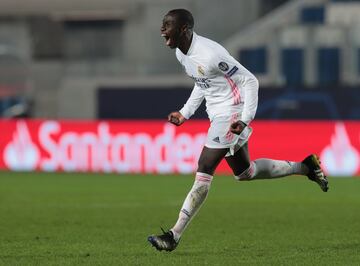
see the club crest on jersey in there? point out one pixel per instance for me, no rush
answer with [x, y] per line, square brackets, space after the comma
[201, 71]
[223, 66]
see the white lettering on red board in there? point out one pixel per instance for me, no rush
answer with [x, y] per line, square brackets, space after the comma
[103, 151]
[340, 158]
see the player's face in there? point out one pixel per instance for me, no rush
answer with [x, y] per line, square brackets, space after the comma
[171, 31]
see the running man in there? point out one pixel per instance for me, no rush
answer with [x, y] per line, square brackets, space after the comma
[231, 95]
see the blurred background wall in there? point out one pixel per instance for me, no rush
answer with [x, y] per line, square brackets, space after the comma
[92, 59]
[66, 61]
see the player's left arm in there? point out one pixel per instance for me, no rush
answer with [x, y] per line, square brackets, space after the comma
[251, 86]
[231, 68]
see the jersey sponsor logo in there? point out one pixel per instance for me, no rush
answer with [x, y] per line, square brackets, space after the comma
[232, 71]
[202, 82]
[223, 66]
[201, 71]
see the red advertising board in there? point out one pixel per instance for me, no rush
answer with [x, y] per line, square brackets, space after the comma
[158, 147]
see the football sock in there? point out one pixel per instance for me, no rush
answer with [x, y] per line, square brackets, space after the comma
[192, 203]
[267, 168]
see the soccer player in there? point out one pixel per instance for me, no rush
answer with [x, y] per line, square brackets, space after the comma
[231, 95]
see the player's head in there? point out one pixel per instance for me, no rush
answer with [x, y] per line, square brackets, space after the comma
[177, 26]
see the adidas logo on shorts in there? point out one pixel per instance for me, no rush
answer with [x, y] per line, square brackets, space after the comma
[217, 139]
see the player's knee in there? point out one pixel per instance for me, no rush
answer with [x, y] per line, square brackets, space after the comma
[246, 175]
[206, 167]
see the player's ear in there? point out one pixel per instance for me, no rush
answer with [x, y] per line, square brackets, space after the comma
[184, 29]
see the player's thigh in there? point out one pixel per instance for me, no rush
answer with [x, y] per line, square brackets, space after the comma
[240, 161]
[210, 158]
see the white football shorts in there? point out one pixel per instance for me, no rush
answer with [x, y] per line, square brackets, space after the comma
[219, 135]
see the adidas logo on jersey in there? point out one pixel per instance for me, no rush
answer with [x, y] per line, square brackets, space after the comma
[217, 139]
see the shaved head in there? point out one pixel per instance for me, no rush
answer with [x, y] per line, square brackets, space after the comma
[177, 29]
[183, 17]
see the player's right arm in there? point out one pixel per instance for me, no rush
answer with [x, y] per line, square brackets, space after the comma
[193, 103]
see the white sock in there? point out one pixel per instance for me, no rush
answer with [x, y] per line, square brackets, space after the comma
[267, 168]
[192, 203]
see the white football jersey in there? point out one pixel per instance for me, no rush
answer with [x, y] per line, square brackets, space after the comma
[226, 85]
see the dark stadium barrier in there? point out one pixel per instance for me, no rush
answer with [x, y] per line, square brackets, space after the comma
[292, 102]
[155, 146]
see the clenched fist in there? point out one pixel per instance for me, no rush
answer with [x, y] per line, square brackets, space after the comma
[237, 127]
[176, 118]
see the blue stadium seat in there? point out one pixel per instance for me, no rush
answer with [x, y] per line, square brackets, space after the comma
[328, 66]
[292, 65]
[5, 103]
[313, 15]
[254, 59]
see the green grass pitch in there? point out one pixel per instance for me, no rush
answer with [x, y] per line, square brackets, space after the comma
[103, 219]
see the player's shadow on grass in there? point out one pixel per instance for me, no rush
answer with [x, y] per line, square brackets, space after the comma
[205, 252]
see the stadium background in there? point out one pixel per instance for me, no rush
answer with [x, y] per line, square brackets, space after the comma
[106, 61]
[86, 86]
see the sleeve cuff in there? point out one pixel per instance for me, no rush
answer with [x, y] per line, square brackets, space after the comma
[184, 113]
[246, 120]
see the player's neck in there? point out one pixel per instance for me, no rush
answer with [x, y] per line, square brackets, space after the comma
[186, 43]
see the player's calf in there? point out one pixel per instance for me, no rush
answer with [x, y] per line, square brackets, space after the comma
[246, 175]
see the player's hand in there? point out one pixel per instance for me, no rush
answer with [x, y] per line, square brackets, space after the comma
[237, 127]
[176, 118]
